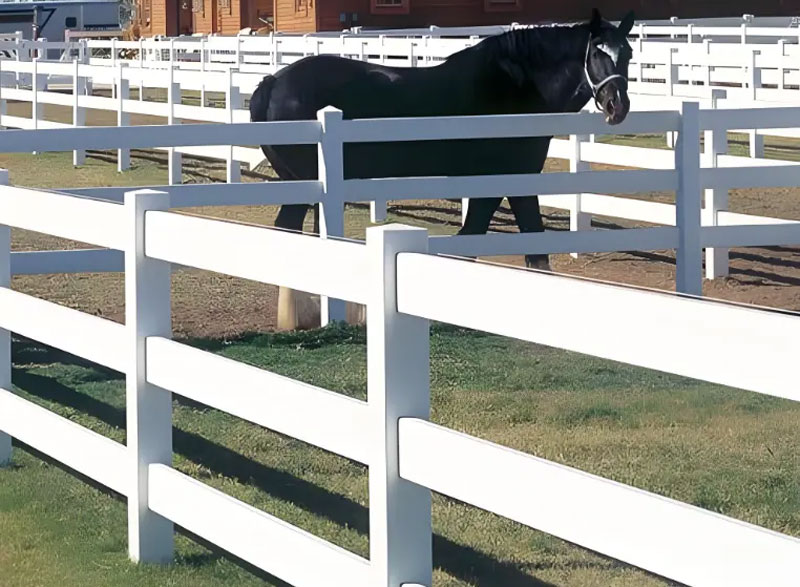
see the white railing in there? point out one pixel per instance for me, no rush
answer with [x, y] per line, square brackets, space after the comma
[403, 287]
[690, 227]
[36, 81]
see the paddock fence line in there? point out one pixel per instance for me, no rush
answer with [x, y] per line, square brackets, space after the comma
[689, 227]
[32, 82]
[403, 286]
[750, 75]
[710, 61]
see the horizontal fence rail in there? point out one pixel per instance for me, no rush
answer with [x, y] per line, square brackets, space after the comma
[649, 328]
[326, 419]
[87, 452]
[254, 536]
[70, 330]
[667, 537]
[227, 248]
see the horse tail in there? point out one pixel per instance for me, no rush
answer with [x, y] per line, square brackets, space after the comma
[259, 102]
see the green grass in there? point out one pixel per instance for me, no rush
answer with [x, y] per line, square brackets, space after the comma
[721, 449]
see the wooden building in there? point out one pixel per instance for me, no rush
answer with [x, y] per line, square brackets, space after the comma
[228, 17]
[334, 15]
[184, 17]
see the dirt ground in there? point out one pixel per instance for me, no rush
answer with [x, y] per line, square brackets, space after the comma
[206, 304]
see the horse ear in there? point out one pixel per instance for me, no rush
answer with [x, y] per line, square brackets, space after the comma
[597, 21]
[627, 23]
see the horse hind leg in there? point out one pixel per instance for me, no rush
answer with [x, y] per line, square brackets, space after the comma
[529, 219]
[479, 215]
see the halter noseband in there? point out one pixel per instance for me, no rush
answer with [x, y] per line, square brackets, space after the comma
[599, 86]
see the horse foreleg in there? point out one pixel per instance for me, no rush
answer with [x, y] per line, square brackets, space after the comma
[529, 219]
[292, 217]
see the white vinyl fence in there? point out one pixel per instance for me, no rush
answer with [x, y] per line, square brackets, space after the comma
[690, 227]
[749, 74]
[710, 60]
[403, 287]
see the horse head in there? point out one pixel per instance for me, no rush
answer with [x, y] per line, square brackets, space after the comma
[606, 65]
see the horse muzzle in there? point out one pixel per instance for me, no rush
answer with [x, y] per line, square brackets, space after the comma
[616, 106]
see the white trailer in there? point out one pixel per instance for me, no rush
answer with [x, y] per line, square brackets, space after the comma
[50, 19]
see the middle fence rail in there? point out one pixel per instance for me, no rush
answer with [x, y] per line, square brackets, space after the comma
[404, 286]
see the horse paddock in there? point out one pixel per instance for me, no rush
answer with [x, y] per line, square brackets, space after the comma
[206, 304]
[723, 450]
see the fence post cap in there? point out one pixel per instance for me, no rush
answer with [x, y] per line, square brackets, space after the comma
[329, 113]
[147, 198]
[376, 230]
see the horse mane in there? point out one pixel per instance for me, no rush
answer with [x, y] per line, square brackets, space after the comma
[542, 45]
[537, 45]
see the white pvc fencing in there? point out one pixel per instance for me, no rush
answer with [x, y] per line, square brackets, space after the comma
[403, 287]
[750, 74]
[690, 227]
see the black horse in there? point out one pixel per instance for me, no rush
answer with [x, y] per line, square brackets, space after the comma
[535, 70]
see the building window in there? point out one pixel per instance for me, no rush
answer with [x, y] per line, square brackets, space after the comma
[502, 5]
[199, 7]
[225, 5]
[389, 6]
[148, 8]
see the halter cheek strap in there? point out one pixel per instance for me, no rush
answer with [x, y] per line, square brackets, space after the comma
[596, 87]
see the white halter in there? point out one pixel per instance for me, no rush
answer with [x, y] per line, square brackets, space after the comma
[599, 86]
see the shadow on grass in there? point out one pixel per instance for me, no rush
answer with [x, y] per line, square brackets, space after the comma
[463, 562]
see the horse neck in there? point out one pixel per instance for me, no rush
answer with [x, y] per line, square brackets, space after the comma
[553, 60]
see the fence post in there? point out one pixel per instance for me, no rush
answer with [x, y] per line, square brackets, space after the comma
[5, 335]
[377, 211]
[578, 220]
[36, 108]
[716, 199]
[233, 100]
[148, 408]
[398, 386]
[689, 261]
[175, 159]
[754, 83]
[640, 60]
[141, 69]
[3, 101]
[330, 156]
[18, 52]
[203, 69]
[123, 118]
[78, 113]
[782, 64]
[672, 77]
[88, 83]
[273, 52]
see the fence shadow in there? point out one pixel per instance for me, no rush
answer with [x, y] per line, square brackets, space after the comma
[463, 562]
